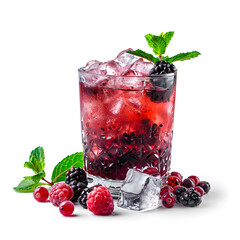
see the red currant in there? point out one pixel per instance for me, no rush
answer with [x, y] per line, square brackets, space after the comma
[177, 174]
[165, 189]
[66, 208]
[168, 199]
[195, 179]
[41, 194]
[172, 181]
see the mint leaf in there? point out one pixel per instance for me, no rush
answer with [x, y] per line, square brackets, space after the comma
[27, 185]
[62, 167]
[157, 43]
[36, 160]
[167, 37]
[181, 56]
[145, 55]
[36, 178]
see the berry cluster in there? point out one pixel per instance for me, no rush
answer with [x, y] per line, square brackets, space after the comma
[187, 192]
[75, 190]
[99, 201]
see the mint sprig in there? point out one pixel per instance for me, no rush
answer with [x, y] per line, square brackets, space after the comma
[159, 45]
[37, 164]
[182, 56]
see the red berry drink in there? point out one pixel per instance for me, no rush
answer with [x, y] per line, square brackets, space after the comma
[127, 117]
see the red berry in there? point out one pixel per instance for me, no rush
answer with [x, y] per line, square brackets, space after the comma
[166, 188]
[177, 174]
[195, 179]
[66, 208]
[200, 190]
[168, 199]
[100, 201]
[41, 194]
[172, 181]
[60, 192]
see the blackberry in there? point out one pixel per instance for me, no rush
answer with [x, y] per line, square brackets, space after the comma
[76, 178]
[163, 82]
[178, 191]
[188, 183]
[204, 185]
[190, 198]
[162, 67]
[83, 197]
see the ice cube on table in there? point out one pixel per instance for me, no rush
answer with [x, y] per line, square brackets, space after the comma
[140, 191]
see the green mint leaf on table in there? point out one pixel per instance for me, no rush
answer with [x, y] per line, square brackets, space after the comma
[181, 56]
[159, 45]
[36, 178]
[27, 186]
[36, 160]
[145, 55]
[59, 172]
[29, 183]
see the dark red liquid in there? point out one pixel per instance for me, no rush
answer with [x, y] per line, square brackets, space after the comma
[122, 129]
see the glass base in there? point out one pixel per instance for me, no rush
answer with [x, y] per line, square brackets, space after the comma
[112, 185]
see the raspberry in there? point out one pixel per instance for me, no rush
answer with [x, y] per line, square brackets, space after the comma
[77, 179]
[168, 199]
[190, 198]
[66, 208]
[100, 201]
[41, 194]
[60, 192]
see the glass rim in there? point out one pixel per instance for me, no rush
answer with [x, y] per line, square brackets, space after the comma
[81, 70]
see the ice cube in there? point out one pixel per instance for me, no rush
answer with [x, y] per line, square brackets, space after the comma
[117, 106]
[140, 191]
[92, 66]
[141, 67]
[111, 68]
[124, 58]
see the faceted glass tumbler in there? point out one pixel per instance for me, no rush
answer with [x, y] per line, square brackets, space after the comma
[127, 122]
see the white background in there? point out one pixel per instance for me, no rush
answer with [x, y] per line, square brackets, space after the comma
[43, 43]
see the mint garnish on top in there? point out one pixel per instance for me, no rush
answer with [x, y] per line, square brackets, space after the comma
[159, 45]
